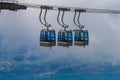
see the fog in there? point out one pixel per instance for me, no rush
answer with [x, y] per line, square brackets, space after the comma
[19, 31]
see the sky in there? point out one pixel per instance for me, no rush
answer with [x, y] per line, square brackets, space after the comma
[20, 31]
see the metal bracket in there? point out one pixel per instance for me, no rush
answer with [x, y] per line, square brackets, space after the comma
[47, 7]
[80, 10]
[64, 9]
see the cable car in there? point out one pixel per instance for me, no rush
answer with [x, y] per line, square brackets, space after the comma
[65, 38]
[81, 38]
[47, 38]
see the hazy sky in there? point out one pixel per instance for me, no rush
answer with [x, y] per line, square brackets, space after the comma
[19, 31]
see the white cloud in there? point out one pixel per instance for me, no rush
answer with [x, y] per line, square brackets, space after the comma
[104, 29]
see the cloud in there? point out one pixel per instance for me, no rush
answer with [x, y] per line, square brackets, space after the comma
[20, 30]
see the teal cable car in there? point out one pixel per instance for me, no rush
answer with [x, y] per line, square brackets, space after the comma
[47, 37]
[65, 37]
[81, 37]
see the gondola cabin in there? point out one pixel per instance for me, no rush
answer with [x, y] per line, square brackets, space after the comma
[47, 38]
[81, 38]
[65, 38]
